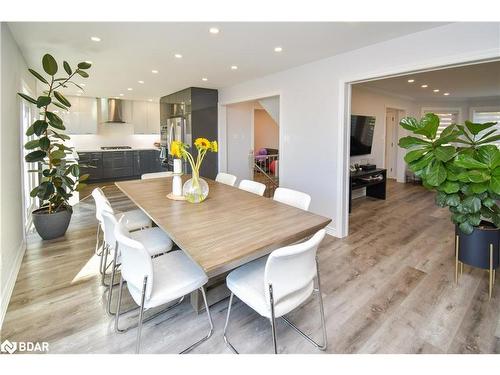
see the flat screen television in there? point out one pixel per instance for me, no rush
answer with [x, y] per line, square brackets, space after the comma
[361, 134]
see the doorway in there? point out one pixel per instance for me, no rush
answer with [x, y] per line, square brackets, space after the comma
[392, 118]
[252, 136]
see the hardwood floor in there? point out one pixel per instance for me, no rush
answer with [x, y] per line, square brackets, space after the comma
[388, 288]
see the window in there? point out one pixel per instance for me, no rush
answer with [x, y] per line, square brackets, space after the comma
[487, 114]
[446, 117]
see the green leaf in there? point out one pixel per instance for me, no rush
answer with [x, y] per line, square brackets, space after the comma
[55, 121]
[444, 153]
[49, 64]
[44, 143]
[478, 128]
[479, 188]
[495, 184]
[62, 99]
[458, 218]
[441, 199]
[477, 175]
[62, 136]
[84, 177]
[466, 228]
[489, 155]
[60, 106]
[82, 73]
[415, 155]
[474, 219]
[488, 202]
[409, 123]
[58, 154]
[487, 134]
[30, 145]
[422, 163]
[43, 101]
[84, 65]
[467, 161]
[429, 126]
[447, 138]
[472, 204]
[435, 173]
[452, 200]
[407, 142]
[38, 75]
[450, 187]
[34, 192]
[67, 68]
[35, 156]
[494, 138]
[28, 98]
[39, 127]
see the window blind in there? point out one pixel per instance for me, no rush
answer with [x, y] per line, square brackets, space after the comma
[481, 116]
[446, 118]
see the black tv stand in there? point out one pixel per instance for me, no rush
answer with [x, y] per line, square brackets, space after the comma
[374, 189]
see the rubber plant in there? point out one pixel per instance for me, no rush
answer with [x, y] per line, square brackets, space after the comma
[60, 177]
[462, 164]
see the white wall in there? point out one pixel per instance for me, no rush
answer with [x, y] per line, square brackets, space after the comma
[13, 72]
[312, 100]
[239, 119]
[266, 131]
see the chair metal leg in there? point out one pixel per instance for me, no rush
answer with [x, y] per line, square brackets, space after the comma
[141, 312]
[273, 319]
[117, 316]
[105, 264]
[210, 322]
[111, 283]
[226, 340]
[322, 314]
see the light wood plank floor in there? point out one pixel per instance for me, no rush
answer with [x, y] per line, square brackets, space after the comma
[388, 288]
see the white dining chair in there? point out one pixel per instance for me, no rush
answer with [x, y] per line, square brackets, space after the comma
[154, 240]
[153, 282]
[275, 285]
[292, 198]
[252, 187]
[133, 219]
[226, 178]
[148, 176]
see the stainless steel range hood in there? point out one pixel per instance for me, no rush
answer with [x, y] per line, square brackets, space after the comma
[111, 110]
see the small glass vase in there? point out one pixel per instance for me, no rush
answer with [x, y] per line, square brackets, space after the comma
[195, 190]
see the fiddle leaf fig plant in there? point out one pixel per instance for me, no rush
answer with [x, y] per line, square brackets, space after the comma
[462, 164]
[60, 175]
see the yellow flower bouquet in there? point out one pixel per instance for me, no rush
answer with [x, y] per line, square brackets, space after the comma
[195, 190]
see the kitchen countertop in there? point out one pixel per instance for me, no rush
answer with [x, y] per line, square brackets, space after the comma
[125, 149]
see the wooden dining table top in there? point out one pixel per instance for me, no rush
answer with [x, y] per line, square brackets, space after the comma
[230, 228]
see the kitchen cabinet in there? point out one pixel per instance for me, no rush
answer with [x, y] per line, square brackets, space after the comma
[118, 165]
[81, 118]
[145, 117]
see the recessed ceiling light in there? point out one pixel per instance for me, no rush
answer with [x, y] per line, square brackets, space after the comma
[150, 100]
[121, 94]
[446, 94]
[154, 71]
[204, 79]
[178, 56]
[129, 89]
[141, 82]
[424, 86]
[411, 80]
[95, 39]
[234, 67]
[213, 30]
[278, 49]
[435, 90]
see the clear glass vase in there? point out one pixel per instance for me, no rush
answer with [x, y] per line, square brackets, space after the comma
[195, 190]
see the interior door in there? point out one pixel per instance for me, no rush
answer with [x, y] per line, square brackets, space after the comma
[239, 120]
[391, 121]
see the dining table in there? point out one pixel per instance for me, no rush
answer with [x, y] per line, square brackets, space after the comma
[229, 228]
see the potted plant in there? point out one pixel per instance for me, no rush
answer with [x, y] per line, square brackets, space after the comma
[59, 177]
[462, 164]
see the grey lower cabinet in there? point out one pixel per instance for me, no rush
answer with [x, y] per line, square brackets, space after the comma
[117, 165]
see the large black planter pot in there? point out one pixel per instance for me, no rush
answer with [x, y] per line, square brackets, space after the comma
[52, 225]
[474, 248]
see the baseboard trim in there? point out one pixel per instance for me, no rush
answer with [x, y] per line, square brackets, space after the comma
[332, 231]
[11, 281]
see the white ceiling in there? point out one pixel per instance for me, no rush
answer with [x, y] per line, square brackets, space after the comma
[462, 83]
[129, 51]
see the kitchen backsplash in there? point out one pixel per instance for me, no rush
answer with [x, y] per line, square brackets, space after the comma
[114, 135]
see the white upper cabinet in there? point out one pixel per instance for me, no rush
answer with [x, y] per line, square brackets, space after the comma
[154, 118]
[145, 117]
[81, 117]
